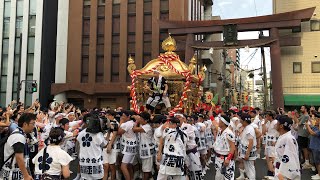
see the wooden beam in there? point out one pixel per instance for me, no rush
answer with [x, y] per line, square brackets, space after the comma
[241, 27]
[264, 42]
[290, 41]
[302, 15]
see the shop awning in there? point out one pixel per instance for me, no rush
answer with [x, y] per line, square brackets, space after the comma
[301, 99]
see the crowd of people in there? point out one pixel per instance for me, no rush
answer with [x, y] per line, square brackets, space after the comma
[40, 143]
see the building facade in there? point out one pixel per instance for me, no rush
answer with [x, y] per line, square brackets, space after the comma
[23, 26]
[96, 37]
[301, 64]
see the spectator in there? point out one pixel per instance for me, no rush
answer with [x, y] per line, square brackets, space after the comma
[303, 136]
[315, 143]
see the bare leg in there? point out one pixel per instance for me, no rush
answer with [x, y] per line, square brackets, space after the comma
[125, 171]
[113, 171]
[106, 171]
[146, 176]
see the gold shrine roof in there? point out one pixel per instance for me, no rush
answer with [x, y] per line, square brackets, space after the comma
[164, 69]
[169, 45]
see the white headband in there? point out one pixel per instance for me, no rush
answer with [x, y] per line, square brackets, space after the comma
[224, 121]
[178, 114]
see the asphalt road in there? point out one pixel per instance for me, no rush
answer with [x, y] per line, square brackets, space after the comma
[261, 171]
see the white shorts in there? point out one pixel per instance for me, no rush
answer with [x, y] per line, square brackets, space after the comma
[166, 101]
[128, 159]
[109, 158]
[270, 151]
[155, 101]
[147, 164]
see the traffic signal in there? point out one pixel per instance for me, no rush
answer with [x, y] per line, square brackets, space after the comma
[34, 87]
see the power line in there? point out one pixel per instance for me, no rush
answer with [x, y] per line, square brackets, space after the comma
[252, 54]
[255, 7]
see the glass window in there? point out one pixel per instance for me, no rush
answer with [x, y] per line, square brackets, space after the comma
[19, 8]
[17, 46]
[7, 9]
[315, 67]
[30, 64]
[19, 24]
[101, 11]
[16, 64]
[87, 2]
[99, 69]
[100, 49]
[3, 84]
[4, 65]
[86, 11]
[86, 27]
[101, 26]
[32, 25]
[6, 27]
[15, 83]
[33, 7]
[85, 65]
[28, 99]
[131, 24]
[297, 67]
[315, 25]
[101, 2]
[14, 94]
[31, 45]
[5, 46]
[116, 1]
[3, 99]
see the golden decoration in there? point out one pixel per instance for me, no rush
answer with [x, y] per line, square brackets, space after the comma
[164, 68]
[169, 45]
[192, 65]
[131, 66]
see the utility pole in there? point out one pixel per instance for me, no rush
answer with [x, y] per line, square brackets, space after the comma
[265, 82]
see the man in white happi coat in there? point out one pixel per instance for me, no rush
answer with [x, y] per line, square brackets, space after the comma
[248, 146]
[193, 156]
[224, 148]
[271, 139]
[287, 165]
[202, 147]
[172, 152]
[159, 88]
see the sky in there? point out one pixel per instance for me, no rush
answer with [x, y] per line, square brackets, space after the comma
[231, 9]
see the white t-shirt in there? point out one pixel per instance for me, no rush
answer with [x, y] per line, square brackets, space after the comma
[202, 129]
[208, 134]
[190, 131]
[55, 158]
[248, 133]
[272, 133]
[116, 143]
[258, 122]
[67, 142]
[90, 156]
[8, 151]
[157, 135]
[74, 123]
[129, 141]
[221, 145]
[146, 146]
[174, 151]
